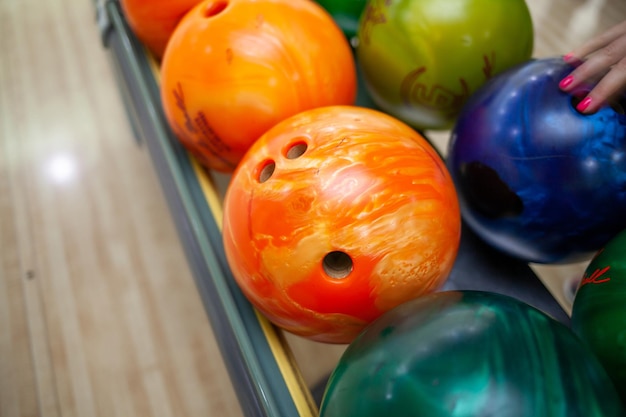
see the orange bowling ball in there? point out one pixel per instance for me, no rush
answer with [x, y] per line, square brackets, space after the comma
[337, 215]
[235, 68]
[154, 21]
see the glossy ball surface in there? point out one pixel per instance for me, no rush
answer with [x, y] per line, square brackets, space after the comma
[154, 21]
[537, 179]
[233, 69]
[468, 354]
[599, 309]
[337, 215]
[422, 59]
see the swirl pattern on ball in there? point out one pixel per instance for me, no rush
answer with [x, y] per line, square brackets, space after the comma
[337, 215]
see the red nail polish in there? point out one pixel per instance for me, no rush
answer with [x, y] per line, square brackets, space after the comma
[565, 82]
[582, 106]
[567, 57]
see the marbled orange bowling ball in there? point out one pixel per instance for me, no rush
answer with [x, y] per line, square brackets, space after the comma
[337, 215]
[233, 69]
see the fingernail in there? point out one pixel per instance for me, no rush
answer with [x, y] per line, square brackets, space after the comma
[582, 106]
[565, 82]
[572, 60]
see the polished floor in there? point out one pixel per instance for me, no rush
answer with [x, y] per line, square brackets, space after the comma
[99, 315]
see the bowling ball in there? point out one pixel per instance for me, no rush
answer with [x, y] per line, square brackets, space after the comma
[346, 13]
[422, 59]
[468, 354]
[154, 21]
[336, 215]
[599, 313]
[234, 69]
[537, 179]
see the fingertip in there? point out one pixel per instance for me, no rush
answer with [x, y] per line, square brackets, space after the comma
[566, 82]
[571, 59]
[584, 105]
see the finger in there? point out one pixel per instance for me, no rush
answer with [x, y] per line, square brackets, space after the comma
[588, 73]
[597, 42]
[596, 66]
[612, 85]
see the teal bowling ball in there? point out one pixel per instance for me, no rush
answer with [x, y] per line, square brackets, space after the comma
[599, 309]
[468, 354]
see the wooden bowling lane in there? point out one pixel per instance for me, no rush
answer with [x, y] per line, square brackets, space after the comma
[99, 314]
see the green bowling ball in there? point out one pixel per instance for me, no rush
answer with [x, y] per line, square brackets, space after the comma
[422, 59]
[599, 309]
[468, 354]
[346, 13]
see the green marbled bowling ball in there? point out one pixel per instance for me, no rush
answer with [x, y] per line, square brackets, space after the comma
[599, 309]
[468, 354]
[422, 59]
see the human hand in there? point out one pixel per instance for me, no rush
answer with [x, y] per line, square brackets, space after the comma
[602, 57]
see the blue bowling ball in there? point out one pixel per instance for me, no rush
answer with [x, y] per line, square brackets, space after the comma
[537, 179]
